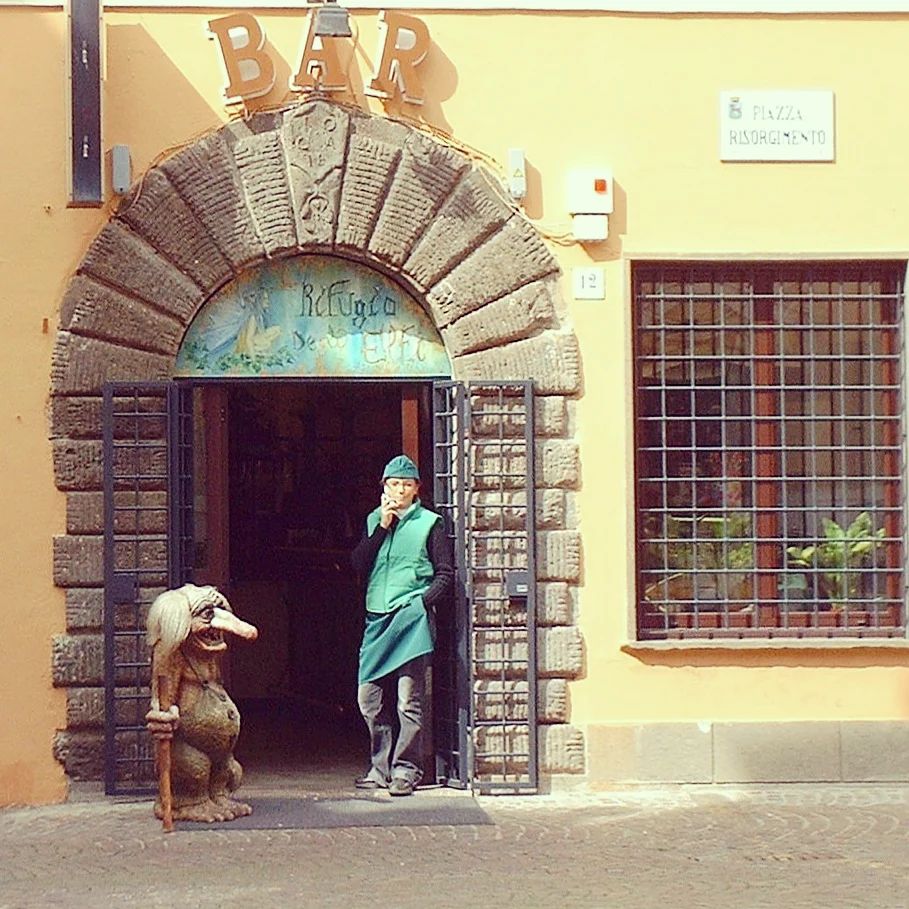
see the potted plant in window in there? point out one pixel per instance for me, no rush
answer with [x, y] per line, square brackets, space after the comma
[837, 561]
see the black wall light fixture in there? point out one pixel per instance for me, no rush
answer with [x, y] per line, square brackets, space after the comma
[332, 21]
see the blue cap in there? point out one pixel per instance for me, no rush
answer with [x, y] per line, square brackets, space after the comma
[402, 468]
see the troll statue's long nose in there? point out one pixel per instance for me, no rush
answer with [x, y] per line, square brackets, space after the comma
[227, 621]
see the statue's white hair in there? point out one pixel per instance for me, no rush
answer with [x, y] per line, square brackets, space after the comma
[171, 614]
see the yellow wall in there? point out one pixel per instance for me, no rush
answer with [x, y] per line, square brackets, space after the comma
[639, 93]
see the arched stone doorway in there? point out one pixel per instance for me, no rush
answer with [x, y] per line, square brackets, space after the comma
[314, 177]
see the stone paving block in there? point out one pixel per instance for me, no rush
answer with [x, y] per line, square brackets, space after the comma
[512, 317]
[558, 463]
[207, 179]
[315, 136]
[85, 708]
[81, 366]
[77, 464]
[263, 174]
[97, 311]
[84, 609]
[77, 659]
[508, 260]
[75, 417]
[472, 213]
[423, 180]
[762, 752]
[150, 276]
[875, 751]
[78, 561]
[650, 753]
[550, 360]
[156, 212]
[561, 749]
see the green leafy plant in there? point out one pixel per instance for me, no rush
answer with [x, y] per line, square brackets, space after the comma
[839, 557]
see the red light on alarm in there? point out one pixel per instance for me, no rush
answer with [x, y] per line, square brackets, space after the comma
[600, 185]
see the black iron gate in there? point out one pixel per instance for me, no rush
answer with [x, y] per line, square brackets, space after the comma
[147, 548]
[485, 681]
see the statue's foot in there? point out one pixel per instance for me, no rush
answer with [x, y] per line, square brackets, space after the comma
[234, 808]
[205, 812]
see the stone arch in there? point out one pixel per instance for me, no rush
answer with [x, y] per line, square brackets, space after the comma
[313, 177]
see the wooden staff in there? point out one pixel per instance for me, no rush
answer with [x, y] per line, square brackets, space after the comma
[164, 790]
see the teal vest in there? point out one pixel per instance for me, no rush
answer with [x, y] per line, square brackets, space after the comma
[402, 569]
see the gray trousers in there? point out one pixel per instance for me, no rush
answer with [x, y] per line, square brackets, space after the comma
[393, 756]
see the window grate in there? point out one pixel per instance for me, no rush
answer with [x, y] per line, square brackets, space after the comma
[769, 429]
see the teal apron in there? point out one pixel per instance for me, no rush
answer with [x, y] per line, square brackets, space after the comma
[392, 639]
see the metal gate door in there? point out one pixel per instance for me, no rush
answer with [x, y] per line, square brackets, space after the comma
[486, 705]
[147, 548]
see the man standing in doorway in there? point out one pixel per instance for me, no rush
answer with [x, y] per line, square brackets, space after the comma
[405, 557]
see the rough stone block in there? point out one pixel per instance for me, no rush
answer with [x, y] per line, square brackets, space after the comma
[555, 604]
[650, 753]
[77, 464]
[559, 555]
[560, 652]
[155, 211]
[97, 311]
[502, 653]
[500, 752]
[149, 277]
[510, 318]
[85, 513]
[80, 366]
[498, 464]
[511, 258]
[550, 509]
[75, 418]
[473, 211]
[550, 416]
[84, 609]
[263, 173]
[558, 463]
[81, 753]
[423, 180]
[315, 143]
[551, 361]
[78, 659]
[875, 751]
[85, 708]
[561, 749]
[78, 561]
[553, 704]
[775, 752]
[206, 177]
[370, 166]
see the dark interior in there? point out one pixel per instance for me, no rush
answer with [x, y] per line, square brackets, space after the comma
[304, 461]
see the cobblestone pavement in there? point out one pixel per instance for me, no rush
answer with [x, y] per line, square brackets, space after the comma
[773, 846]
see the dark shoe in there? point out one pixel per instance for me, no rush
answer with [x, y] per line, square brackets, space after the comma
[368, 782]
[400, 786]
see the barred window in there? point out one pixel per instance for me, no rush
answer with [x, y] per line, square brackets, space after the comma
[769, 427]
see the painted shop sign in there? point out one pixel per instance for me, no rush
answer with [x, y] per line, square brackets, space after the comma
[249, 71]
[776, 126]
[312, 316]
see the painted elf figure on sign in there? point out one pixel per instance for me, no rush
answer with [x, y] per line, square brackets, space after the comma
[405, 558]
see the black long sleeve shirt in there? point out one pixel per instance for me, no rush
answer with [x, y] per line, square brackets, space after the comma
[438, 547]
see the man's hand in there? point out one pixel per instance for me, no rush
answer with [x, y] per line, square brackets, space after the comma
[388, 512]
[163, 723]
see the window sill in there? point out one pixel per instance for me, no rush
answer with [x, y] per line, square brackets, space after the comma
[768, 644]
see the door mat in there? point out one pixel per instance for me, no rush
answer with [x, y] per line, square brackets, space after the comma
[271, 813]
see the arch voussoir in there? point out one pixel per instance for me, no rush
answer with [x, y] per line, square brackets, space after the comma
[207, 178]
[156, 212]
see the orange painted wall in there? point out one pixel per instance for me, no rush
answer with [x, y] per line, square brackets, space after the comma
[639, 93]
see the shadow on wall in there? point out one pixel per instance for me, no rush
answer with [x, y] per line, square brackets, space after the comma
[151, 121]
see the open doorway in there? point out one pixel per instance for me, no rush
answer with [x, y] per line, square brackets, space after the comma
[286, 472]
